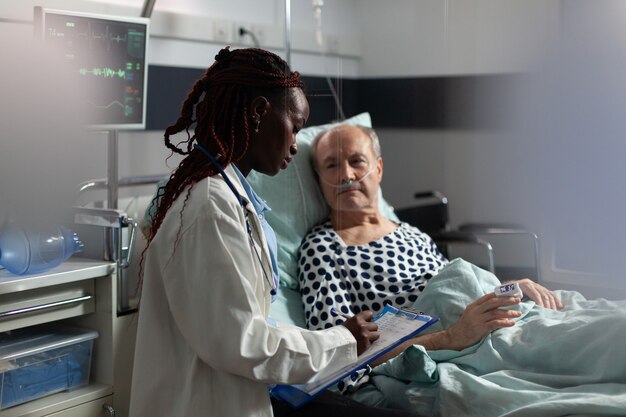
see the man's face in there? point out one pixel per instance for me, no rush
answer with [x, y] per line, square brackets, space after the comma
[349, 172]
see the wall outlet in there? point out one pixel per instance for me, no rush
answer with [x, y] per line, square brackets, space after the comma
[237, 38]
[257, 32]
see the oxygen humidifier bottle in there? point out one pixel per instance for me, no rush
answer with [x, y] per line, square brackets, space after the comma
[30, 250]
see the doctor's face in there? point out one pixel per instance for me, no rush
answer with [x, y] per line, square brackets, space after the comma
[348, 171]
[274, 145]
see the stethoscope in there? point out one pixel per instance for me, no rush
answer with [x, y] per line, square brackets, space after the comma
[243, 204]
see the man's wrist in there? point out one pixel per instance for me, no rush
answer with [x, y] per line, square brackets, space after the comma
[445, 340]
[437, 341]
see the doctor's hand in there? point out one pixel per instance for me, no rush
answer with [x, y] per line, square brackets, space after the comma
[479, 319]
[539, 294]
[363, 330]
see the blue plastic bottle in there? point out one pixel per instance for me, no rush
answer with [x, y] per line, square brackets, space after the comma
[30, 250]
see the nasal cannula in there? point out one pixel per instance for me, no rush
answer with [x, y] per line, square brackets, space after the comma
[351, 183]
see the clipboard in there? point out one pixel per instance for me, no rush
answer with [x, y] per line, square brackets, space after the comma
[395, 327]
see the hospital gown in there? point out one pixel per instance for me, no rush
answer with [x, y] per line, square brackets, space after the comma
[391, 270]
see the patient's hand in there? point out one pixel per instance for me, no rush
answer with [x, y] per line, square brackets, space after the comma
[479, 319]
[540, 294]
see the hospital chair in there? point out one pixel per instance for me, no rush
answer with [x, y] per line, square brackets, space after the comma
[430, 214]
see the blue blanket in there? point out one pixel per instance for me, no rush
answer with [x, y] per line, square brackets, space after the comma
[551, 363]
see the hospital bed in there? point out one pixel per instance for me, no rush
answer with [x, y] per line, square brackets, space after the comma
[524, 384]
[298, 205]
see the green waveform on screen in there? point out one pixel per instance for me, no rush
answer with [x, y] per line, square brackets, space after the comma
[103, 72]
[106, 106]
[128, 109]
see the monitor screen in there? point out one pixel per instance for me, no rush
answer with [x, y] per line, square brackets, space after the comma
[107, 58]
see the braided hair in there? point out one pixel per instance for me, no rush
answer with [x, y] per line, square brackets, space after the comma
[217, 110]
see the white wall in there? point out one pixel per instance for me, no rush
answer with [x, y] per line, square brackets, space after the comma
[451, 37]
[556, 168]
[445, 37]
[184, 34]
[485, 173]
[448, 38]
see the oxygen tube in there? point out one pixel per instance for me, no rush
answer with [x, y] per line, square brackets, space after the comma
[349, 184]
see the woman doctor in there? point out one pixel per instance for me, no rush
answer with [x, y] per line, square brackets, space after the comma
[204, 347]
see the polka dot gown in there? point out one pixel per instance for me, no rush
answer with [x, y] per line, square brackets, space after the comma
[391, 270]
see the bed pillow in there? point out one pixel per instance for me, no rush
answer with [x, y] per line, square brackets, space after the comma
[296, 201]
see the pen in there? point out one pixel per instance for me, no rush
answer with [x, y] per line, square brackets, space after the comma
[339, 313]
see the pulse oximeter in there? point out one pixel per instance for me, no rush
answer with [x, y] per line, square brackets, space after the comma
[509, 290]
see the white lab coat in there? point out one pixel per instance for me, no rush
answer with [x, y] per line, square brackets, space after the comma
[204, 347]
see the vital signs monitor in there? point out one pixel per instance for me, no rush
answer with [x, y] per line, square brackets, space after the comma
[107, 59]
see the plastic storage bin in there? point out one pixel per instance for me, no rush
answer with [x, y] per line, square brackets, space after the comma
[41, 360]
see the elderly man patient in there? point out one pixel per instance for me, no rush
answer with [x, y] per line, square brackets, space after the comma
[366, 260]
[359, 260]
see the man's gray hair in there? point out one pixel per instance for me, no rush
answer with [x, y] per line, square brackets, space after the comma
[371, 133]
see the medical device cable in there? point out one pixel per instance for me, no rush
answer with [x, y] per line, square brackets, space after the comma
[243, 31]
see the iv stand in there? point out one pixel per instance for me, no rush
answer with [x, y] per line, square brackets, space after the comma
[112, 170]
[115, 237]
[288, 32]
[110, 237]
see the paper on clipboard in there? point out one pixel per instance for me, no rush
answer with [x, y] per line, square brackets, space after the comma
[395, 326]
